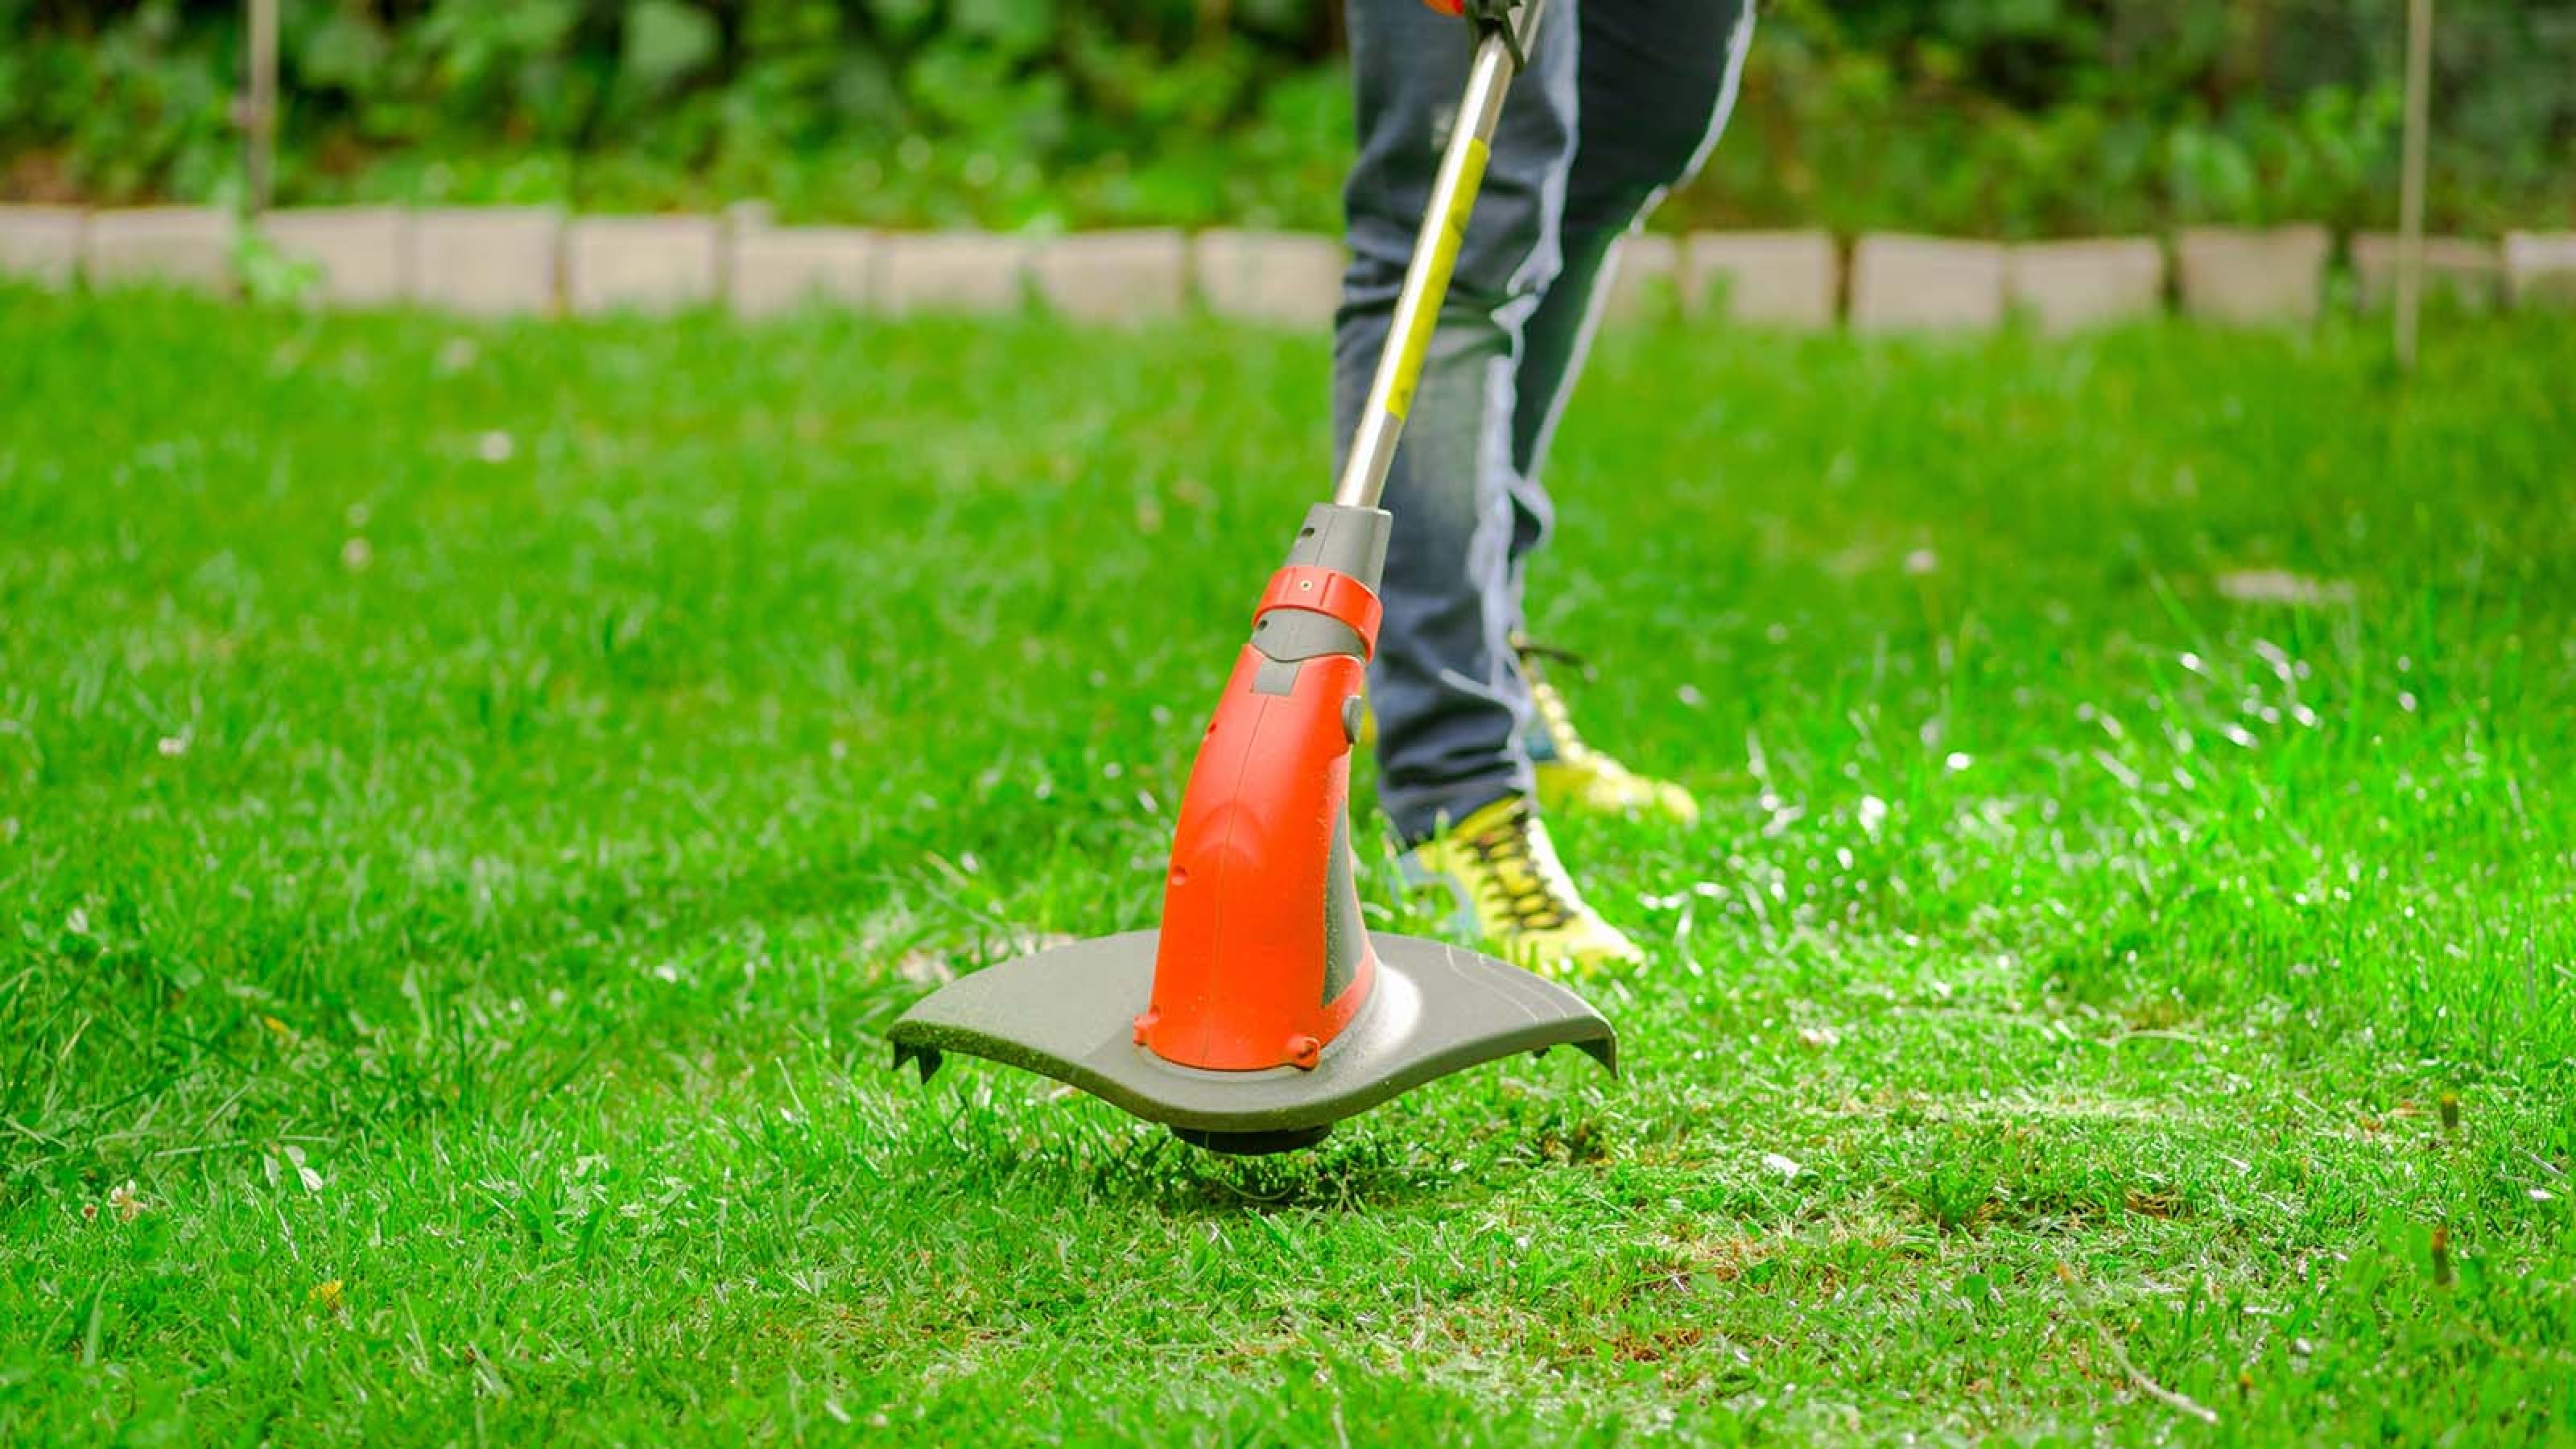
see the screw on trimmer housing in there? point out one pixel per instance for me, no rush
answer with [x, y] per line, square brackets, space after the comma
[1263, 1010]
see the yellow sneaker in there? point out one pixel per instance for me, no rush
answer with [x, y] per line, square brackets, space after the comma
[1512, 892]
[1572, 775]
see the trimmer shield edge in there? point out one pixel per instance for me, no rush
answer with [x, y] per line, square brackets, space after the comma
[1069, 1013]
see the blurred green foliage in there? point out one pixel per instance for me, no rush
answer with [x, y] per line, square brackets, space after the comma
[2052, 116]
[1991, 116]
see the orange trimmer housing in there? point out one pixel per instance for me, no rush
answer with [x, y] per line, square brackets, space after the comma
[1262, 959]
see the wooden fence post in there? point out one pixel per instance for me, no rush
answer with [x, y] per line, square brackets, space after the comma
[2410, 183]
[259, 122]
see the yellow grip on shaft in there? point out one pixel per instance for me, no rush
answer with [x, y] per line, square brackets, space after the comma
[1415, 327]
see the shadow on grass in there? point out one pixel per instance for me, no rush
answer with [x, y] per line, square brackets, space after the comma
[1091, 1152]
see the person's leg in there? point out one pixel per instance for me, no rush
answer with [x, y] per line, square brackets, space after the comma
[1448, 696]
[1655, 81]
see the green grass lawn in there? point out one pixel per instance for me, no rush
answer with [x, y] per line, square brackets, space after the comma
[471, 800]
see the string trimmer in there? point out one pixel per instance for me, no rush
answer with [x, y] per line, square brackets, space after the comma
[1263, 1011]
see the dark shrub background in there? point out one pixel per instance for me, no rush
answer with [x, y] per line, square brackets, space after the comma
[2015, 117]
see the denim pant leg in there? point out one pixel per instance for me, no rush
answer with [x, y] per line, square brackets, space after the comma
[1644, 83]
[1447, 693]
[1656, 80]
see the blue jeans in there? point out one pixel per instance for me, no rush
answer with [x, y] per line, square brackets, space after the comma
[1620, 101]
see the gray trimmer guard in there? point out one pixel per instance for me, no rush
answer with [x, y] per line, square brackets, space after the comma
[1069, 1013]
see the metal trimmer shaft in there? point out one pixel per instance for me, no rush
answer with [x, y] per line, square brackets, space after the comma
[1435, 256]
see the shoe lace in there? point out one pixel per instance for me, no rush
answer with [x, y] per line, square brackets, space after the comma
[1549, 701]
[1522, 874]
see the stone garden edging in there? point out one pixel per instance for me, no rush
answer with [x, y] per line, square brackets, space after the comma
[505, 261]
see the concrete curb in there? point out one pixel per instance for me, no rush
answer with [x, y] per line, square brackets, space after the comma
[1287, 279]
[1645, 277]
[2253, 278]
[363, 254]
[2471, 272]
[957, 271]
[184, 246]
[1790, 279]
[507, 261]
[1901, 283]
[781, 268]
[2066, 286]
[642, 263]
[487, 261]
[1114, 276]
[2540, 268]
[42, 244]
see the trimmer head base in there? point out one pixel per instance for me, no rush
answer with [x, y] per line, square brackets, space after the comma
[1254, 1144]
[1069, 1013]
